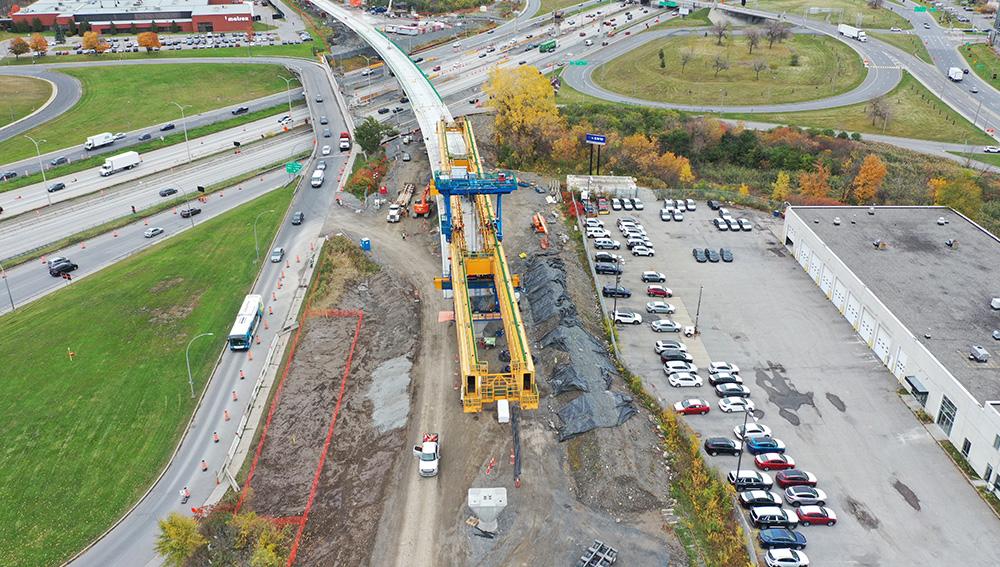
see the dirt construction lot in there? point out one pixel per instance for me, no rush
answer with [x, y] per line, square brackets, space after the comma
[899, 499]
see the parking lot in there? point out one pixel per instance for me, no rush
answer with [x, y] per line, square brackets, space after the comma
[898, 498]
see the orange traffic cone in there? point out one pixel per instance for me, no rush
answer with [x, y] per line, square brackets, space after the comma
[297, 260]
[225, 415]
[266, 327]
[235, 397]
[145, 222]
[270, 311]
[287, 263]
[249, 355]
[83, 245]
[242, 375]
[215, 437]
[274, 296]
[204, 466]
[279, 284]
[258, 339]
[115, 234]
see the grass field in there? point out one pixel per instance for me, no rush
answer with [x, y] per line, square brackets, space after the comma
[20, 96]
[697, 18]
[569, 95]
[262, 27]
[843, 11]
[129, 97]
[984, 62]
[909, 43]
[552, 5]
[916, 113]
[992, 159]
[826, 67]
[85, 438]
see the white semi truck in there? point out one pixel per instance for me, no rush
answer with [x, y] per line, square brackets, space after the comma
[120, 162]
[955, 74]
[99, 140]
[852, 32]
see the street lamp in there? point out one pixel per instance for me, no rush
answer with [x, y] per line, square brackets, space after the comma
[184, 125]
[38, 153]
[368, 67]
[256, 245]
[3, 272]
[618, 282]
[739, 461]
[288, 90]
[187, 357]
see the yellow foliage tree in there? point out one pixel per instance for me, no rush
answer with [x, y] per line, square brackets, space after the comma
[815, 183]
[869, 179]
[149, 40]
[526, 112]
[19, 47]
[38, 43]
[673, 169]
[633, 155]
[179, 539]
[744, 190]
[781, 187]
[93, 40]
[961, 193]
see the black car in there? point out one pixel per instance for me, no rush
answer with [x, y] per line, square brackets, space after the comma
[418, 60]
[145, 137]
[607, 268]
[727, 254]
[754, 498]
[721, 446]
[298, 217]
[5, 175]
[699, 255]
[383, 111]
[56, 187]
[166, 127]
[60, 268]
[724, 378]
[605, 257]
[404, 100]
[675, 354]
[781, 538]
[612, 291]
[714, 205]
[167, 192]
[713, 256]
[241, 110]
[59, 161]
[187, 213]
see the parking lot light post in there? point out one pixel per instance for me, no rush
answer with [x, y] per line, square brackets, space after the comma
[288, 90]
[368, 67]
[6, 282]
[187, 358]
[697, 311]
[38, 154]
[256, 245]
[614, 312]
[739, 461]
[187, 144]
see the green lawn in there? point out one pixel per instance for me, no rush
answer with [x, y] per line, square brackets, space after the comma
[916, 113]
[85, 438]
[909, 43]
[553, 5]
[262, 27]
[569, 95]
[992, 159]
[697, 18]
[826, 67]
[124, 98]
[153, 144]
[984, 62]
[843, 11]
[20, 96]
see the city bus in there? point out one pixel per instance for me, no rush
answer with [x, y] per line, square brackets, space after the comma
[241, 336]
[547, 46]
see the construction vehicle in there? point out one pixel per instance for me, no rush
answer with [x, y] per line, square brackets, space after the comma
[429, 453]
[422, 208]
[397, 209]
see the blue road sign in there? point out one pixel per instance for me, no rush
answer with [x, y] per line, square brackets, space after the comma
[598, 139]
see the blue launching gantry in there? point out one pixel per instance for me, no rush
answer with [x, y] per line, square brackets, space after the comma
[462, 183]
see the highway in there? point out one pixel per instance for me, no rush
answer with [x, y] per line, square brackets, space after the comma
[67, 93]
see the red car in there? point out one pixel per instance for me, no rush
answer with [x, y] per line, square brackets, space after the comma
[809, 515]
[773, 461]
[659, 291]
[795, 477]
[692, 407]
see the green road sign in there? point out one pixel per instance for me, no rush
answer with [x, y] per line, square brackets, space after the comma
[293, 167]
[920, 8]
[578, 62]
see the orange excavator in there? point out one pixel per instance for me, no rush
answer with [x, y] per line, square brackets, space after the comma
[422, 208]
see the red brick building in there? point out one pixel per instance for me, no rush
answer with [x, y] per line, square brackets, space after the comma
[164, 15]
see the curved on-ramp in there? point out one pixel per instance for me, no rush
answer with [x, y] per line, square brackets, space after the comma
[66, 91]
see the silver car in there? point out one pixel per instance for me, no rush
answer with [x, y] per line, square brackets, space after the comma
[805, 496]
[659, 307]
[665, 326]
[277, 254]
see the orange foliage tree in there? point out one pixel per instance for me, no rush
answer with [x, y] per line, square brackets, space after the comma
[38, 43]
[149, 40]
[869, 179]
[815, 183]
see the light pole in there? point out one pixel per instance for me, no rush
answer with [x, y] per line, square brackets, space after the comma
[288, 90]
[187, 358]
[3, 272]
[368, 66]
[739, 461]
[618, 283]
[184, 125]
[256, 245]
[697, 312]
[968, 157]
[38, 153]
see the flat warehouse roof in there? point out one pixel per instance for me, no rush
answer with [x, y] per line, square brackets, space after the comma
[931, 288]
[132, 6]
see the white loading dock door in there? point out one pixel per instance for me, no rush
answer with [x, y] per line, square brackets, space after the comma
[804, 254]
[826, 281]
[883, 344]
[839, 295]
[815, 268]
[867, 328]
[900, 367]
[853, 312]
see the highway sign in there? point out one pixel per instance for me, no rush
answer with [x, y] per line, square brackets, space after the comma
[598, 139]
[578, 62]
[920, 8]
[293, 167]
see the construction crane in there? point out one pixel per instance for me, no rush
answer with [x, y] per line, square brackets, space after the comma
[482, 285]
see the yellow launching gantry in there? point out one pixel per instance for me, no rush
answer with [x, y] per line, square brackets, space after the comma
[480, 279]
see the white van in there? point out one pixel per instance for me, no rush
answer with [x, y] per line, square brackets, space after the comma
[589, 42]
[317, 178]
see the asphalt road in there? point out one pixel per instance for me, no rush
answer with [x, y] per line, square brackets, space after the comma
[36, 229]
[67, 93]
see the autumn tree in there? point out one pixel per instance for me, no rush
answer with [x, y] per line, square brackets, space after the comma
[720, 31]
[961, 193]
[869, 179]
[720, 64]
[815, 183]
[781, 187]
[673, 169]
[179, 539]
[19, 47]
[93, 40]
[38, 44]
[686, 57]
[752, 36]
[758, 66]
[526, 116]
[149, 40]
[635, 154]
[744, 190]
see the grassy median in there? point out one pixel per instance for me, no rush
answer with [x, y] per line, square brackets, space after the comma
[125, 98]
[85, 437]
[909, 43]
[854, 12]
[20, 96]
[984, 62]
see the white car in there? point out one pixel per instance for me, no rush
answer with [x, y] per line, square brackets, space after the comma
[638, 204]
[659, 307]
[597, 232]
[752, 430]
[597, 223]
[643, 251]
[684, 380]
[119, 135]
[895, 30]
[992, 149]
[627, 318]
[666, 214]
[616, 204]
[720, 224]
[785, 558]
[663, 345]
[606, 244]
[730, 405]
[627, 204]
[151, 232]
[653, 277]
[723, 367]
[326, 150]
[674, 366]
[690, 205]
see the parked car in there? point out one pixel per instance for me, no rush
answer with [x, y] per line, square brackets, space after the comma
[660, 307]
[606, 244]
[749, 480]
[724, 378]
[781, 538]
[665, 326]
[663, 345]
[190, 212]
[675, 354]
[720, 224]
[736, 404]
[785, 558]
[992, 149]
[674, 366]
[754, 498]
[773, 461]
[726, 254]
[745, 224]
[810, 515]
[153, 231]
[616, 204]
[795, 477]
[607, 268]
[721, 446]
[693, 407]
[678, 215]
[699, 255]
[713, 256]
[643, 251]
[658, 291]
[761, 445]
[666, 215]
[325, 151]
[241, 110]
[615, 291]
[597, 232]
[298, 217]
[591, 222]
[684, 380]
[752, 430]
[714, 205]
[805, 496]
[690, 205]
[731, 390]
[6, 175]
[637, 204]
[772, 517]
[627, 318]
[61, 267]
[406, 156]
[722, 366]
[655, 277]
[607, 257]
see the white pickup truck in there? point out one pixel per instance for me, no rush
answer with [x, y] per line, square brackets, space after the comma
[429, 453]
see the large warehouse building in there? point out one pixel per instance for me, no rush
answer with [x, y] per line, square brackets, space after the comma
[918, 284]
[188, 15]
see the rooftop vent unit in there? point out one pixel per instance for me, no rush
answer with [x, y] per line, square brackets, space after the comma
[836, 221]
[952, 243]
[942, 221]
[815, 221]
[995, 303]
[871, 210]
[880, 244]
